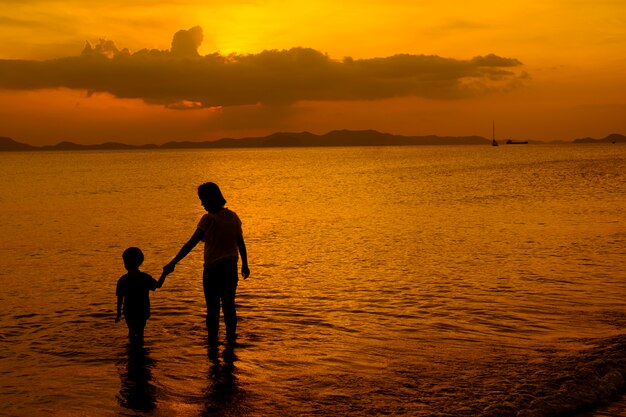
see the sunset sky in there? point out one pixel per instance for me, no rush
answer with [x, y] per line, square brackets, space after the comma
[154, 71]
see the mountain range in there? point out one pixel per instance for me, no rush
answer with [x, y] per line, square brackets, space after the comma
[290, 139]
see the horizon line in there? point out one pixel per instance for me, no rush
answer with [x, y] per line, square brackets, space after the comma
[244, 140]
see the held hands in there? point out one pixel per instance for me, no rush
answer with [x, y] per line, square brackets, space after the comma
[168, 269]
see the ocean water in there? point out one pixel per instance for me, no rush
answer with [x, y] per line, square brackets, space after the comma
[405, 281]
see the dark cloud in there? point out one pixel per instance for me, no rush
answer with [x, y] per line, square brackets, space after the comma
[186, 42]
[182, 79]
[11, 21]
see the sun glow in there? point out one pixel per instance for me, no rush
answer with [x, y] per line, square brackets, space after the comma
[570, 49]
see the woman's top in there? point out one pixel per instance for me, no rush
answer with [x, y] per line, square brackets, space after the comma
[221, 231]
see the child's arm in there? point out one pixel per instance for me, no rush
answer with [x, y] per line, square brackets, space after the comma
[120, 300]
[245, 271]
[161, 280]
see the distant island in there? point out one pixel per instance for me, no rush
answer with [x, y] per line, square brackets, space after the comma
[290, 139]
[613, 138]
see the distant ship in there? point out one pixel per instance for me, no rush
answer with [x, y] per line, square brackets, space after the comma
[493, 135]
[516, 142]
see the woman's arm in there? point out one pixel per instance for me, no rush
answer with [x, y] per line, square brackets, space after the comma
[245, 271]
[184, 251]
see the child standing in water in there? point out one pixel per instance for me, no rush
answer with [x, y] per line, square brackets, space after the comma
[133, 293]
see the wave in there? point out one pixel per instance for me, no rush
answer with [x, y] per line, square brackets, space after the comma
[571, 385]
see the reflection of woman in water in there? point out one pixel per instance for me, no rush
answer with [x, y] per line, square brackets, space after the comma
[223, 395]
[220, 229]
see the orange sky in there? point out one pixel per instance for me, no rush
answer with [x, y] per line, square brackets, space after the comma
[543, 70]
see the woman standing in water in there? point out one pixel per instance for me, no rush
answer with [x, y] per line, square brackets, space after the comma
[221, 231]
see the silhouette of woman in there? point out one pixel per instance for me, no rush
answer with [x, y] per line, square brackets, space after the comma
[220, 230]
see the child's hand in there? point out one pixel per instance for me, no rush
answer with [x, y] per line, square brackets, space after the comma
[168, 269]
[245, 271]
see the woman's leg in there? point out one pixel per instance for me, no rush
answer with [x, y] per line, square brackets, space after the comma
[220, 284]
[228, 290]
[212, 298]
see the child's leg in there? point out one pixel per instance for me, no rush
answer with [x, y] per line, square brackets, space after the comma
[131, 333]
[135, 329]
[140, 328]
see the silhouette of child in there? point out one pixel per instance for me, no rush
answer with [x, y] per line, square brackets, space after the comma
[220, 230]
[133, 293]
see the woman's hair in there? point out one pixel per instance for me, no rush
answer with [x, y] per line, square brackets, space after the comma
[211, 196]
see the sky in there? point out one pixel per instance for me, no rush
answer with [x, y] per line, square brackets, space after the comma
[155, 71]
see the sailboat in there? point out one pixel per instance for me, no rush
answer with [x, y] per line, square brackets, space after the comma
[493, 140]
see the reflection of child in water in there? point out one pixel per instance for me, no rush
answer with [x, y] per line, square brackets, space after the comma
[133, 293]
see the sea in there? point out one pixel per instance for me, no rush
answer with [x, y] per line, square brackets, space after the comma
[387, 281]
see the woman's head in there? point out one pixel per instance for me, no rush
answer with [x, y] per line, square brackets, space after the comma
[211, 197]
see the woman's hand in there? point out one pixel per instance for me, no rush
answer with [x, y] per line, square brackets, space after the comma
[168, 269]
[245, 271]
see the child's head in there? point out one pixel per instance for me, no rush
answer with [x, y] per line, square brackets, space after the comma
[211, 197]
[133, 258]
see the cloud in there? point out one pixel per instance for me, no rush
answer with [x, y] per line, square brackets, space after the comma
[181, 79]
[10, 21]
[186, 42]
